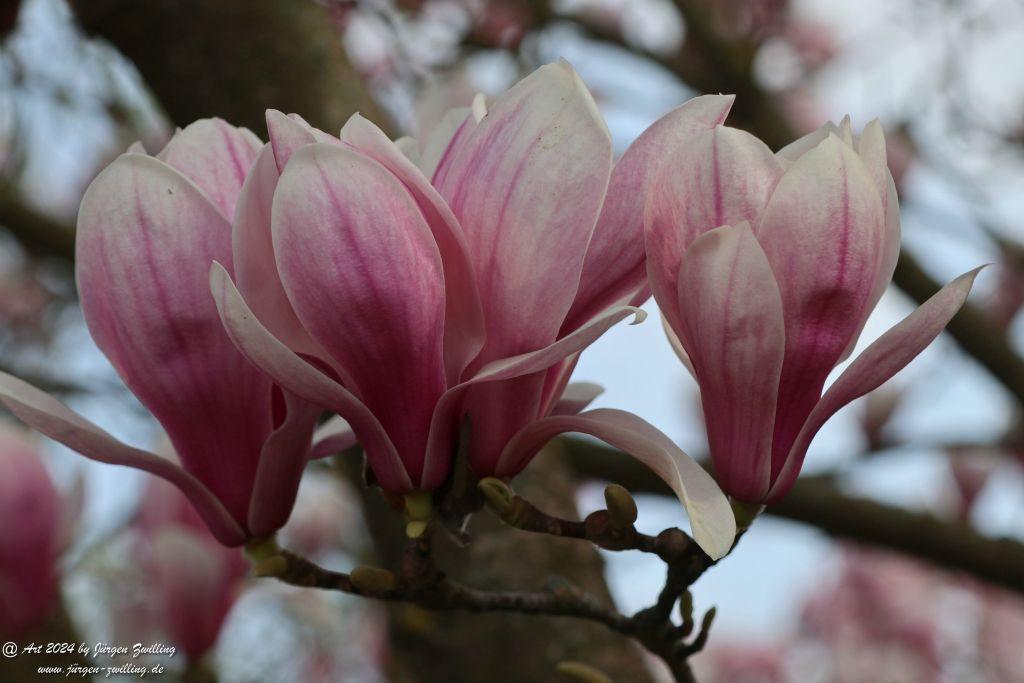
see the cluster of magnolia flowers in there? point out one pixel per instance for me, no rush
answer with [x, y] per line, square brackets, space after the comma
[242, 290]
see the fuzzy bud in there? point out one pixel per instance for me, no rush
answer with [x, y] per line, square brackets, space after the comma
[499, 495]
[622, 511]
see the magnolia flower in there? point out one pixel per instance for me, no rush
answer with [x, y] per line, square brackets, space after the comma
[192, 581]
[421, 284]
[766, 267]
[34, 525]
[148, 230]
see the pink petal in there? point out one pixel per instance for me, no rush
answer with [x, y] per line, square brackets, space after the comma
[731, 311]
[362, 270]
[802, 145]
[216, 156]
[282, 461]
[722, 177]
[294, 374]
[527, 183]
[289, 133]
[823, 232]
[443, 425]
[889, 354]
[711, 517]
[556, 380]
[438, 140]
[331, 438]
[871, 148]
[677, 347]
[496, 411]
[464, 322]
[576, 397]
[146, 238]
[255, 262]
[409, 148]
[52, 418]
[615, 265]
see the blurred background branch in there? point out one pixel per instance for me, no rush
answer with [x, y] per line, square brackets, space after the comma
[818, 502]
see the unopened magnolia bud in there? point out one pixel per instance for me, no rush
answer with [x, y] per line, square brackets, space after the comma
[709, 618]
[372, 579]
[275, 565]
[686, 606]
[621, 506]
[582, 673]
[499, 495]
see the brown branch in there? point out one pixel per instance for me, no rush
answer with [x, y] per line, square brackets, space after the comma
[817, 502]
[422, 583]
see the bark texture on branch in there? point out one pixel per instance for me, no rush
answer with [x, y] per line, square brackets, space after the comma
[454, 647]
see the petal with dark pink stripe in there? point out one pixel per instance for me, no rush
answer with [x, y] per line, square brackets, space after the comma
[823, 233]
[731, 312]
[889, 354]
[526, 183]
[722, 177]
[615, 267]
[464, 321]
[216, 156]
[146, 238]
[362, 270]
[292, 373]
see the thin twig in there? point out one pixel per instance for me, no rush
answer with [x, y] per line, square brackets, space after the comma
[422, 583]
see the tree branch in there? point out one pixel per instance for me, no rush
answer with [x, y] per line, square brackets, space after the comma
[422, 583]
[817, 502]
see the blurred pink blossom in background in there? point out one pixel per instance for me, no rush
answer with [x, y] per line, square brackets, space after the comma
[35, 525]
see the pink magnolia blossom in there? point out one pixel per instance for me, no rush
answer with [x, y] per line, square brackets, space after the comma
[148, 230]
[881, 617]
[766, 267]
[461, 275]
[192, 580]
[34, 520]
